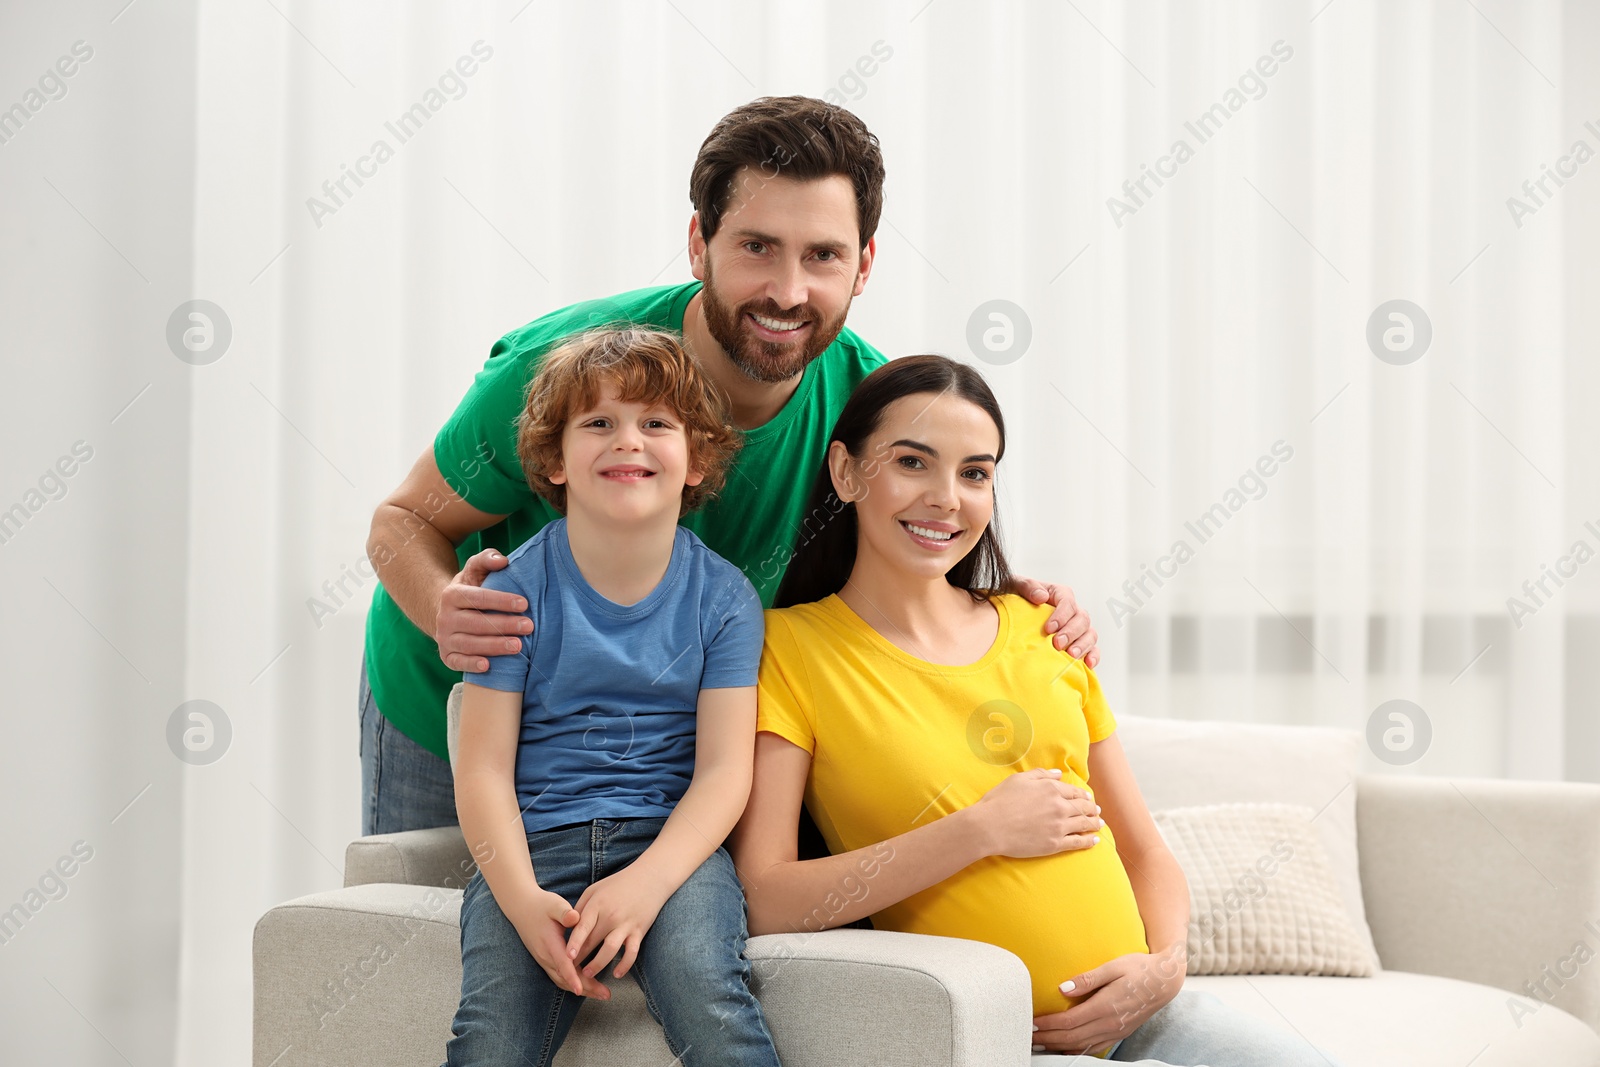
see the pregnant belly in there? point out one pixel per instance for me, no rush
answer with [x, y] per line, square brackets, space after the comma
[1062, 914]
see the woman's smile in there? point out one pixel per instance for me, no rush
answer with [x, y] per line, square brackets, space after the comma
[934, 536]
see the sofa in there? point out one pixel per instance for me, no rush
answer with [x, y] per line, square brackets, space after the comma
[1480, 899]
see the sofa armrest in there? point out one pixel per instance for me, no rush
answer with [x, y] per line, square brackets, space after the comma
[372, 974]
[1490, 881]
[955, 1002]
[437, 857]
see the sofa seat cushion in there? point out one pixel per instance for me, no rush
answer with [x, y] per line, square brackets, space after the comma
[1399, 1019]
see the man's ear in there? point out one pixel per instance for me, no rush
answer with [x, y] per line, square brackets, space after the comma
[864, 268]
[694, 477]
[557, 476]
[846, 477]
[697, 248]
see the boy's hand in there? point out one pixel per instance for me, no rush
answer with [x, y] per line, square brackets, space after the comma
[616, 913]
[541, 925]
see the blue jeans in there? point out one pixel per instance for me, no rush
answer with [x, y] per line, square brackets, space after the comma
[403, 785]
[690, 967]
[1195, 1028]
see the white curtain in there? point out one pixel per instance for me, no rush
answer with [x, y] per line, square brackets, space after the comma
[1182, 333]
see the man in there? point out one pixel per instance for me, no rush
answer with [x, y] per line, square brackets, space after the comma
[787, 194]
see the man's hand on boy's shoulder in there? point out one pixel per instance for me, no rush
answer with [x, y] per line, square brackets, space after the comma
[615, 914]
[474, 622]
[1068, 622]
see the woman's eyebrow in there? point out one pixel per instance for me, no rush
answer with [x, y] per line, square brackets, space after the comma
[982, 457]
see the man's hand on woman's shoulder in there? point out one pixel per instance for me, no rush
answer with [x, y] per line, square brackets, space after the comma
[1068, 622]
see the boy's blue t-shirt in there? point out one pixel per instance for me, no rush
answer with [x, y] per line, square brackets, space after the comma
[609, 692]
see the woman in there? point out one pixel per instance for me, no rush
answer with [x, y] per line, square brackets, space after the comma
[965, 776]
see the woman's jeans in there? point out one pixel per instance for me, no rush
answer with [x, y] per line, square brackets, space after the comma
[691, 965]
[1195, 1029]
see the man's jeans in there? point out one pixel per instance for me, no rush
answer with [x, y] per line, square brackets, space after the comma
[691, 965]
[403, 785]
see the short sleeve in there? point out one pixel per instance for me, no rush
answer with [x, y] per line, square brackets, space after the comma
[733, 654]
[870, 356]
[1096, 712]
[783, 696]
[476, 449]
[509, 672]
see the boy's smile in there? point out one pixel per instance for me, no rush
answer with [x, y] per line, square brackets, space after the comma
[627, 472]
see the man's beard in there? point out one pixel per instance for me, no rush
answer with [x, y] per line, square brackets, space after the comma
[759, 360]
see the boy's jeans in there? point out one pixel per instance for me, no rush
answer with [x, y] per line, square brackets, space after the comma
[691, 964]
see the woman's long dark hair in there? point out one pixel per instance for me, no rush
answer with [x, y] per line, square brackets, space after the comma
[825, 552]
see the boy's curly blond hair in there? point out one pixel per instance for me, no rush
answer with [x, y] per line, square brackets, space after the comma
[648, 367]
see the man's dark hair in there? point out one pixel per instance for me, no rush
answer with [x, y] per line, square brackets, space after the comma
[798, 137]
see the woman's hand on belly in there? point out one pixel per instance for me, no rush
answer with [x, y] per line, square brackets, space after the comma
[1035, 813]
[1118, 996]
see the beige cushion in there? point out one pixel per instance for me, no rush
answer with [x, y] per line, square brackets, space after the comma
[1183, 764]
[1262, 896]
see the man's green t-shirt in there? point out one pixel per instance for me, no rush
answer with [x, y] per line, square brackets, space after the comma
[754, 522]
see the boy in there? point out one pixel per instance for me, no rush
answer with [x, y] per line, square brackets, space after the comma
[600, 767]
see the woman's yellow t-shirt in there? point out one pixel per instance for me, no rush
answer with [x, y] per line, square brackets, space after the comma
[898, 742]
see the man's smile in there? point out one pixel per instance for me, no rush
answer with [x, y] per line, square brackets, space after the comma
[774, 329]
